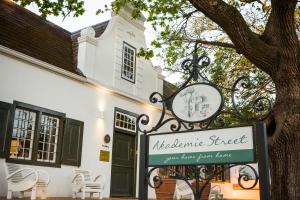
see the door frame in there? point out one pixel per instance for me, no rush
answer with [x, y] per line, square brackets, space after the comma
[135, 134]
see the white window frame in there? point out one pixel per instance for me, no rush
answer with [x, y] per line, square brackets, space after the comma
[125, 124]
[50, 133]
[24, 126]
[128, 70]
[20, 129]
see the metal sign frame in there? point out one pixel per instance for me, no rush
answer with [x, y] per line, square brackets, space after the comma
[201, 132]
[207, 118]
[261, 109]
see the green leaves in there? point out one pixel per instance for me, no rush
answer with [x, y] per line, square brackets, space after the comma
[146, 53]
[178, 25]
[101, 11]
[56, 8]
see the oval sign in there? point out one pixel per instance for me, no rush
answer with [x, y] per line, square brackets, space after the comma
[197, 102]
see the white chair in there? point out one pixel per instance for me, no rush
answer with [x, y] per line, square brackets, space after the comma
[82, 182]
[183, 191]
[215, 193]
[24, 179]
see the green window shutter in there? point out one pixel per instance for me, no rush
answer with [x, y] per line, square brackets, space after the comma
[4, 116]
[72, 142]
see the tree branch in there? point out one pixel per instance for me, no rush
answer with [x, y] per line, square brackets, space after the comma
[251, 1]
[298, 64]
[215, 43]
[246, 42]
[280, 28]
[281, 32]
[268, 35]
[188, 15]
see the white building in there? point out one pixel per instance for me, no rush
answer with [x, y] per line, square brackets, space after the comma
[61, 93]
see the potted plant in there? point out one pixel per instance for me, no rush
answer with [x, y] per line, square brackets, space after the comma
[164, 186]
[205, 191]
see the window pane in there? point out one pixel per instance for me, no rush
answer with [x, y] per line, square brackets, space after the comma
[117, 123]
[52, 157]
[48, 138]
[128, 67]
[22, 136]
[126, 122]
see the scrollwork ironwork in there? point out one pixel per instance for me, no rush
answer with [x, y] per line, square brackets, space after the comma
[244, 177]
[261, 105]
[203, 176]
[259, 110]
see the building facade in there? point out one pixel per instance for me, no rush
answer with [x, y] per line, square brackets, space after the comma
[70, 100]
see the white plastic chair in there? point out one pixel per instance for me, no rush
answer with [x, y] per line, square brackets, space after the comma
[82, 182]
[183, 191]
[25, 180]
[215, 193]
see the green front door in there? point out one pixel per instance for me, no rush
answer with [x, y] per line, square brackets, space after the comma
[123, 165]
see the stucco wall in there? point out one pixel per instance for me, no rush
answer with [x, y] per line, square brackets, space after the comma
[108, 58]
[26, 83]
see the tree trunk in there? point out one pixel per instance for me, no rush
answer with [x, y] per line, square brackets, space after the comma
[276, 53]
[284, 144]
[284, 168]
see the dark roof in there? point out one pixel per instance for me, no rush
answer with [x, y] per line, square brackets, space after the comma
[168, 90]
[30, 34]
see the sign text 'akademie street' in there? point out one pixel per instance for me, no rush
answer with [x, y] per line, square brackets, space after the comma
[230, 145]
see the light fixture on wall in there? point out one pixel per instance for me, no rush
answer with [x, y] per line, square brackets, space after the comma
[100, 114]
[107, 138]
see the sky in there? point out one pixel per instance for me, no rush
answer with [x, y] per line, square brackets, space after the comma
[90, 18]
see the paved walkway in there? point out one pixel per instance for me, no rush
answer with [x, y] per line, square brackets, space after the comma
[68, 198]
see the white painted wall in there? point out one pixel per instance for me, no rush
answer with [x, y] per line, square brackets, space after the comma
[106, 56]
[27, 83]
[100, 59]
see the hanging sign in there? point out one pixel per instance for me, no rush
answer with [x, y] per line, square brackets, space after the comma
[218, 146]
[197, 102]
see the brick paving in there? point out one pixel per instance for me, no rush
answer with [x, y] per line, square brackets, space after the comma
[69, 198]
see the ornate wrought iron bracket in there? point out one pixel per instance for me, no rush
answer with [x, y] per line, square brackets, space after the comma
[158, 180]
[259, 109]
[261, 106]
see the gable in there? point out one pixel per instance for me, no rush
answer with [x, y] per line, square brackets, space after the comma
[99, 29]
[32, 35]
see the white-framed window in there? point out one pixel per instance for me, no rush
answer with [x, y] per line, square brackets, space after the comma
[23, 134]
[39, 136]
[129, 62]
[125, 122]
[48, 138]
[36, 135]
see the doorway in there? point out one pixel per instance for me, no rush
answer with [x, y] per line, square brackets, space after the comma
[123, 171]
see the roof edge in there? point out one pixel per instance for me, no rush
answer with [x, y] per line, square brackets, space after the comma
[41, 64]
[29, 12]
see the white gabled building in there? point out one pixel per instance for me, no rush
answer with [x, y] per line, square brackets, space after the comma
[61, 93]
[92, 76]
